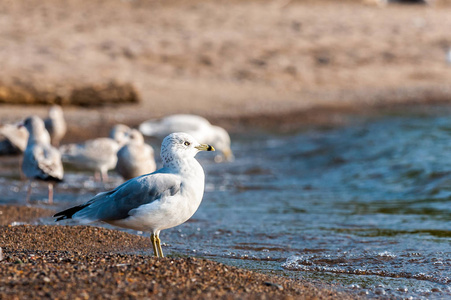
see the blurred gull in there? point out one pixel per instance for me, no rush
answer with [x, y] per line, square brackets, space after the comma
[120, 133]
[15, 139]
[136, 158]
[55, 124]
[156, 201]
[196, 126]
[41, 160]
[98, 155]
[448, 56]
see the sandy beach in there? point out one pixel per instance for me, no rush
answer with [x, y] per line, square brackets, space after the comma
[229, 60]
[82, 262]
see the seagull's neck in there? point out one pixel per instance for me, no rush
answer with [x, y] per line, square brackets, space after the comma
[193, 179]
[187, 166]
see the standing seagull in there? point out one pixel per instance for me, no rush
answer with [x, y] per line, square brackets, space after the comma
[197, 126]
[41, 160]
[153, 202]
[99, 155]
[55, 124]
[15, 139]
[136, 158]
[120, 133]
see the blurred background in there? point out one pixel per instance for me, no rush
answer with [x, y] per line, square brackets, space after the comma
[221, 59]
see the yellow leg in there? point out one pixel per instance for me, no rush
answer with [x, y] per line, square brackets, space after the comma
[160, 251]
[153, 239]
[50, 193]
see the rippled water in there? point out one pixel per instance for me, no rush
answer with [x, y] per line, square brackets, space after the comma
[368, 206]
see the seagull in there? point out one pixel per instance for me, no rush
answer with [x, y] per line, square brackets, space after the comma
[120, 133]
[55, 124]
[15, 139]
[136, 158]
[197, 126]
[40, 160]
[163, 199]
[99, 155]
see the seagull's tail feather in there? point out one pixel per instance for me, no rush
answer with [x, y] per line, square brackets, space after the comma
[68, 213]
[88, 212]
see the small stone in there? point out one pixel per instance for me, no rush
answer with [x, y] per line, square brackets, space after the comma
[1, 254]
[379, 291]
[403, 289]
[278, 286]
[364, 292]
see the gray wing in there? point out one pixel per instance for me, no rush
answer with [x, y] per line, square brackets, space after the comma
[116, 204]
[17, 136]
[175, 123]
[43, 162]
[100, 149]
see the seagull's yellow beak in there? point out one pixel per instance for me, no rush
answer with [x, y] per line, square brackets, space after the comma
[204, 147]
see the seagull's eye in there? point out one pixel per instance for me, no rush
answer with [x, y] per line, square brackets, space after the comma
[187, 143]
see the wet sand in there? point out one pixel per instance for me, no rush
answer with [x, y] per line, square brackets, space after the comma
[83, 262]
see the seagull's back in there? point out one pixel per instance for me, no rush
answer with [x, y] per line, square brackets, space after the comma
[18, 136]
[93, 153]
[41, 160]
[191, 124]
[134, 160]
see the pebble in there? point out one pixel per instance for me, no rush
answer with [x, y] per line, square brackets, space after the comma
[71, 261]
[274, 285]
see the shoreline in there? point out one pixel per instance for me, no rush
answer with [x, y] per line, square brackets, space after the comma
[60, 261]
[85, 123]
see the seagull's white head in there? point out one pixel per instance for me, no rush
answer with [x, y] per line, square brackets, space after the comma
[56, 112]
[180, 146]
[120, 133]
[135, 137]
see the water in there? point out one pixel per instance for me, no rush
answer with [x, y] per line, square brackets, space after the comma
[367, 207]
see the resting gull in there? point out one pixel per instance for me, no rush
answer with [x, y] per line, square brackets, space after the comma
[120, 133]
[55, 124]
[136, 158]
[41, 160]
[197, 126]
[153, 202]
[98, 155]
[15, 139]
